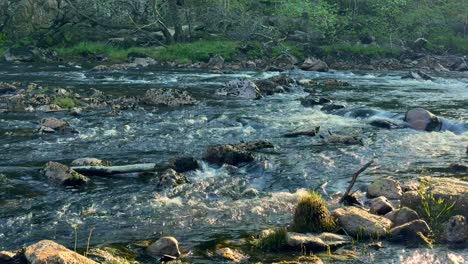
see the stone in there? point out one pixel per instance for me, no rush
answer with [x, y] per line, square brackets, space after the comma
[345, 140]
[240, 88]
[170, 179]
[285, 61]
[6, 256]
[168, 97]
[268, 87]
[358, 222]
[380, 206]
[165, 246]
[216, 62]
[418, 75]
[387, 187]
[456, 229]
[410, 233]
[103, 256]
[65, 175]
[232, 255]
[330, 107]
[317, 242]
[313, 64]
[458, 168]
[7, 87]
[227, 154]
[313, 100]
[184, 164]
[55, 125]
[334, 83]
[402, 216]
[48, 252]
[87, 162]
[310, 133]
[451, 190]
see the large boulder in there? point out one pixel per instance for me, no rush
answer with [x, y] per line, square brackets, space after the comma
[402, 216]
[313, 100]
[165, 246]
[451, 190]
[456, 229]
[358, 222]
[413, 232]
[168, 97]
[240, 88]
[313, 64]
[285, 61]
[380, 206]
[234, 154]
[49, 252]
[317, 242]
[55, 125]
[170, 178]
[63, 174]
[386, 187]
[184, 164]
[7, 87]
[216, 62]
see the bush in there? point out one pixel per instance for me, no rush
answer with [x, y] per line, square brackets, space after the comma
[312, 215]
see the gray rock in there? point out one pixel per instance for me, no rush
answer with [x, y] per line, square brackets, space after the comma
[87, 162]
[55, 125]
[456, 230]
[285, 61]
[389, 188]
[64, 174]
[313, 100]
[240, 88]
[313, 64]
[402, 216]
[317, 242]
[310, 133]
[409, 233]
[234, 154]
[358, 222]
[184, 164]
[168, 97]
[380, 206]
[170, 178]
[216, 62]
[47, 252]
[345, 140]
[165, 246]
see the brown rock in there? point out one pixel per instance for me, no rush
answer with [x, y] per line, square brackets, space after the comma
[402, 216]
[87, 162]
[49, 252]
[170, 178]
[232, 255]
[55, 125]
[456, 230]
[410, 232]
[64, 174]
[165, 246]
[389, 188]
[313, 64]
[380, 206]
[6, 255]
[358, 222]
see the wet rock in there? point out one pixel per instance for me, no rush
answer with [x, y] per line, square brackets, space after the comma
[346, 140]
[402, 216]
[49, 108]
[383, 123]
[285, 62]
[165, 246]
[250, 193]
[334, 83]
[55, 125]
[310, 133]
[216, 62]
[456, 229]
[170, 179]
[375, 245]
[6, 256]
[358, 222]
[254, 145]
[380, 206]
[64, 174]
[184, 164]
[313, 100]
[418, 75]
[458, 168]
[389, 188]
[227, 154]
[317, 242]
[330, 107]
[47, 252]
[168, 97]
[410, 185]
[87, 162]
[240, 88]
[313, 64]
[451, 190]
[231, 255]
[7, 88]
[408, 233]
[268, 87]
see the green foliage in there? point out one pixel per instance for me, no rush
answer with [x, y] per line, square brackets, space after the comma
[65, 102]
[3, 39]
[289, 49]
[274, 241]
[312, 215]
[359, 50]
[434, 211]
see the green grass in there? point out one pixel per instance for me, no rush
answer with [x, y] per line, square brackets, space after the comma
[359, 50]
[180, 52]
[274, 241]
[258, 52]
[312, 215]
[65, 102]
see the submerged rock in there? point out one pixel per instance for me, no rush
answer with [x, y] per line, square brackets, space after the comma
[48, 252]
[7, 87]
[418, 75]
[402, 216]
[456, 229]
[313, 100]
[231, 255]
[316, 242]
[168, 97]
[346, 140]
[313, 64]
[55, 125]
[451, 190]
[380, 206]
[87, 162]
[358, 222]
[234, 154]
[64, 174]
[310, 133]
[334, 83]
[414, 232]
[165, 246]
[240, 88]
[170, 178]
[386, 187]
[184, 164]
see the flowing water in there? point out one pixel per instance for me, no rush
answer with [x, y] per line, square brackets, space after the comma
[122, 210]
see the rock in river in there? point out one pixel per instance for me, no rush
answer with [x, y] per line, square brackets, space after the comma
[240, 88]
[380, 206]
[386, 187]
[48, 252]
[410, 233]
[313, 64]
[87, 162]
[170, 178]
[402, 216]
[64, 174]
[231, 255]
[317, 242]
[358, 222]
[168, 97]
[165, 246]
[184, 164]
[55, 125]
[234, 154]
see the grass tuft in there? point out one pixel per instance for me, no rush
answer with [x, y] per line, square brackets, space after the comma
[274, 241]
[65, 102]
[312, 215]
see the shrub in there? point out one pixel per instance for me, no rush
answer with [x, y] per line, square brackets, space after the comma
[312, 215]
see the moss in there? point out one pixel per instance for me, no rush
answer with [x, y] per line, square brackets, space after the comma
[274, 241]
[65, 102]
[312, 215]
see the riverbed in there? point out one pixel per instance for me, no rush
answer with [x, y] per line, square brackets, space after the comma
[215, 202]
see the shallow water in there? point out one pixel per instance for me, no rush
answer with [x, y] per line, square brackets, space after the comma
[122, 210]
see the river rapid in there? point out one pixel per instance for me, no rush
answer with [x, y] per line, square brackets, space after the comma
[214, 204]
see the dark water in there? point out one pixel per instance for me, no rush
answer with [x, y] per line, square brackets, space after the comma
[122, 210]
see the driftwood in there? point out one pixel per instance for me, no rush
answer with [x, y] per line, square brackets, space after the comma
[353, 180]
[112, 170]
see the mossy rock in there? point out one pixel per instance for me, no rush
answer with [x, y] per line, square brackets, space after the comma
[65, 102]
[312, 215]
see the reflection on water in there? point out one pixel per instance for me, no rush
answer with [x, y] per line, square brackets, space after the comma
[129, 209]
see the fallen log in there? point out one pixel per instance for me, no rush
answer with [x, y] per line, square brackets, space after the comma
[112, 170]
